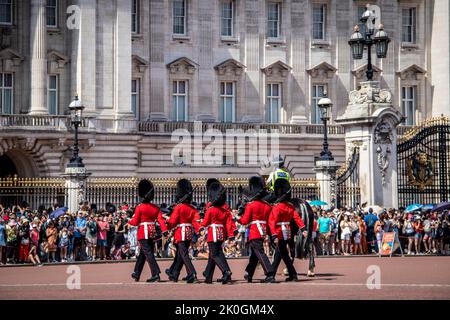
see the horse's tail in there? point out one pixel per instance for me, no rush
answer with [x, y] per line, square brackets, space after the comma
[307, 214]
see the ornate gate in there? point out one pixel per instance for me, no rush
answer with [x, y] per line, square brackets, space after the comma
[423, 159]
[347, 182]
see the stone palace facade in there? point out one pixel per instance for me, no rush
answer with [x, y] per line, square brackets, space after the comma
[144, 68]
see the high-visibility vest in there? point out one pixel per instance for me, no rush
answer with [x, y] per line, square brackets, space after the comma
[278, 174]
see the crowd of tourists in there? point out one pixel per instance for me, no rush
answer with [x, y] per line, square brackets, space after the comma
[38, 236]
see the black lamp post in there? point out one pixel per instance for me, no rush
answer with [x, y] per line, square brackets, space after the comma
[358, 41]
[76, 112]
[325, 105]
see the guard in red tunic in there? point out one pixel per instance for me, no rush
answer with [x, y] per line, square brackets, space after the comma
[183, 221]
[256, 216]
[220, 226]
[145, 217]
[283, 212]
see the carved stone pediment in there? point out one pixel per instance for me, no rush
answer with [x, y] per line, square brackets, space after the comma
[360, 72]
[10, 60]
[277, 68]
[370, 92]
[139, 64]
[182, 65]
[413, 72]
[56, 61]
[230, 67]
[323, 69]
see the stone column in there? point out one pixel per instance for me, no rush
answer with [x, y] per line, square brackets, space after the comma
[325, 175]
[83, 59]
[370, 122]
[38, 61]
[125, 120]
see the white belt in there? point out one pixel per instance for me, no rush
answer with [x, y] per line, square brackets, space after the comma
[214, 227]
[146, 224]
[284, 229]
[258, 224]
[183, 229]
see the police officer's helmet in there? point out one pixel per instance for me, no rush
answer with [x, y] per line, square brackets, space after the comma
[278, 161]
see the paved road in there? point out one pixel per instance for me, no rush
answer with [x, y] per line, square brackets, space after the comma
[336, 278]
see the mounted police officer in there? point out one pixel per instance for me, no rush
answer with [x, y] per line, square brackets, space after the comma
[145, 217]
[280, 172]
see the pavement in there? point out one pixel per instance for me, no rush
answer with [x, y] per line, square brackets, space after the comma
[368, 277]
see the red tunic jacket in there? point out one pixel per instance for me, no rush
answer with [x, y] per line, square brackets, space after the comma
[280, 220]
[219, 222]
[145, 216]
[184, 221]
[256, 215]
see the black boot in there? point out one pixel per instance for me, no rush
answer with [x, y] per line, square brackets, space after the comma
[268, 279]
[248, 278]
[169, 274]
[226, 277]
[292, 279]
[191, 278]
[135, 277]
[154, 279]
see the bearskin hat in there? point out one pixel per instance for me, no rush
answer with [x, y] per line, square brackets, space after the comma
[146, 190]
[210, 181]
[184, 191]
[217, 194]
[282, 190]
[257, 187]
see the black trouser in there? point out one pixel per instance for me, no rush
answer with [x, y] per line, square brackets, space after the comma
[216, 257]
[282, 252]
[370, 239]
[146, 254]
[11, 250]
[182, 258]
[258, 254]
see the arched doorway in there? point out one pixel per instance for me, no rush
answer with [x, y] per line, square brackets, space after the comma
[7, 167]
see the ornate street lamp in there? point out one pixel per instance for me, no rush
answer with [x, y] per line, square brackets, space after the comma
[325, 105]
[358, 41]
[76, 113]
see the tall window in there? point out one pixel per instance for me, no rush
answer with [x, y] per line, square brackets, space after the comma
[317, 93]
[135, 16]
[227, 18]
[6, 93]
[135, 97]
[409, 104]
[6, 13]
[179, 17]
[359, 13]
[319, 19]
[273, 20]
[52, 94]
[227, 102]
[52, 13]
[273, 103]
[180, 100]
[409, 25]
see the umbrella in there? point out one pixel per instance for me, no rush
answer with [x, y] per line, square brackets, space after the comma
[57, 213]
[413, 207]
[428, 207]
[441, 207]
[318, 203]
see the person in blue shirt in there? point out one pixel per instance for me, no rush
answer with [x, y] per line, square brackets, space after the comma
[370, 220]
[2, 241]
[79, 235]
[324, 224]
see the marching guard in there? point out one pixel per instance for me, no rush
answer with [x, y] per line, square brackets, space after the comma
[256, 215]
[145, 217]
[283, 212]
[183, 221]
[219, 224]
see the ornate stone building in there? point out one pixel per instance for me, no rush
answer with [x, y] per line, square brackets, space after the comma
[143, 68]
